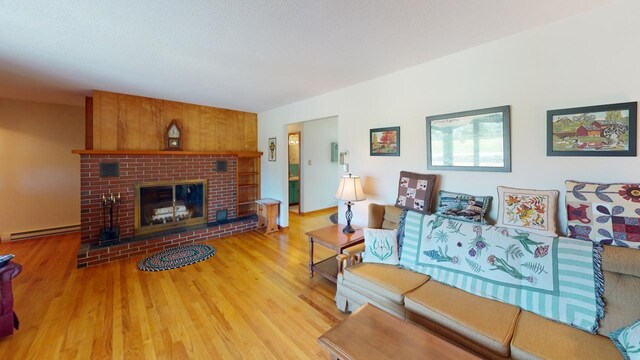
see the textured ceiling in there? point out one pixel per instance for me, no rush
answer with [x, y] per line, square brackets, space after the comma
[249, 55]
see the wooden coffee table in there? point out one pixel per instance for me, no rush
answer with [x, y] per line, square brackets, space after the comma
[333, 238]
[371, 333]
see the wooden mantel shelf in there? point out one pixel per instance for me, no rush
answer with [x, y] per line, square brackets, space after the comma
[158, 152]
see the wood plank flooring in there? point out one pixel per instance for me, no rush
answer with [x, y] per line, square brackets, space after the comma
[252, 300]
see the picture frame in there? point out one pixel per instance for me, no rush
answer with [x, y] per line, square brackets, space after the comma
[384, 141]
[474, 140]
[272, 149]
[601, 130]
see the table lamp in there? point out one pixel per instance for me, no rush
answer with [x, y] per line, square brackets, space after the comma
[349, 190]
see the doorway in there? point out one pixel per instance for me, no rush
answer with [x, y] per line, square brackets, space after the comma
[294, 161]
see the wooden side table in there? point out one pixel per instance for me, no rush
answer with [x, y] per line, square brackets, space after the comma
[371, 333]
[268, 211]
[333, 238]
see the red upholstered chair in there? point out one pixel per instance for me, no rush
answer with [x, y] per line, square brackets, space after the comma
[8, 319]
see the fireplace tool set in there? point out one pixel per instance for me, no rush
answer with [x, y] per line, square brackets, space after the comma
[110, 234]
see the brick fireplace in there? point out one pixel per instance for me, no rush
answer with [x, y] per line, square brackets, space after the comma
[120, 172]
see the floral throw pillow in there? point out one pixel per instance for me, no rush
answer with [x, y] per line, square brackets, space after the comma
[463, 207]
[381, 246]
[627, 340]
[530, 210]
[414, 191]
[604, 213]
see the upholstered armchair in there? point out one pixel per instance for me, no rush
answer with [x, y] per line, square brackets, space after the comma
[8, 319]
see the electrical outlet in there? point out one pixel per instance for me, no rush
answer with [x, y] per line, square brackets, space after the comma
[309, 162]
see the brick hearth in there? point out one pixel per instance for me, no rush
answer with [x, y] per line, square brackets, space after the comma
[153, 167]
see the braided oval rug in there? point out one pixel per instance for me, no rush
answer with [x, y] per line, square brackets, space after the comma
[176, 257]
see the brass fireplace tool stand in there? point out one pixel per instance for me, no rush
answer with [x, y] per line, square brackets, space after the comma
[110, 234]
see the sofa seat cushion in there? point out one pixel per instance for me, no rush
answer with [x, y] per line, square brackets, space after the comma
[387, 281]
[537, 337]
[486, 322]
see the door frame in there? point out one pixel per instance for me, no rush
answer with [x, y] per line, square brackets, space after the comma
[299, 133]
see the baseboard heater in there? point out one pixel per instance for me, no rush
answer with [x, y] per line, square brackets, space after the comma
[42, 232]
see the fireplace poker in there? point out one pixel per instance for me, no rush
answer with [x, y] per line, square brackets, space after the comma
[118, 210]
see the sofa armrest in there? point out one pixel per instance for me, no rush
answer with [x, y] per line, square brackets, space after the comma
[345, 260]
[355, 249]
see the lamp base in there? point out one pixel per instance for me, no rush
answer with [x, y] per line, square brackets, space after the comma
[348, 215]
[348, 229]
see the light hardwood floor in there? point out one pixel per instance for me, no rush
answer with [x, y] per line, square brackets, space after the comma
[252, 300]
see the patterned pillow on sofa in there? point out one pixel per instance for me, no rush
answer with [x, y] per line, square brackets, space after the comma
[381, 246]
[414, 191]
[529, 210]
[604, 213]
[463, 207]
[627, 341]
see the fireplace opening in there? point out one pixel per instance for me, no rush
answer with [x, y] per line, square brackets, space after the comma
[163, 205]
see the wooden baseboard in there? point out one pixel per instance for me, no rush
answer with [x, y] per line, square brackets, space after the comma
[334, 208]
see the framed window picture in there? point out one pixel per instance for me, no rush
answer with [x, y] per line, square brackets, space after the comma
[475, 140]
[384, 141]
[602, 130]
[272, 149]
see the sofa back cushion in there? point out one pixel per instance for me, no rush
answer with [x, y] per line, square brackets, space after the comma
[391, 217]
[621, 270]
[384, 217]
[621, 260]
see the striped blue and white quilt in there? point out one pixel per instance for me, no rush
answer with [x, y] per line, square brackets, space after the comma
[558, 278]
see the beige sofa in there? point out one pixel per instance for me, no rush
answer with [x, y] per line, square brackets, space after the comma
[487, 327]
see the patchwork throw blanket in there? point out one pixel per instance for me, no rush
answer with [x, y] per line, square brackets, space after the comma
[558, 278]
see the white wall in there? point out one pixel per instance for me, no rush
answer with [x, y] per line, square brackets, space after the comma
[317, 187]
[39, 177]
[320, 179]
[589, 59]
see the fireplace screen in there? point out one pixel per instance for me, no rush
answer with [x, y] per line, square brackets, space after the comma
[164, 205]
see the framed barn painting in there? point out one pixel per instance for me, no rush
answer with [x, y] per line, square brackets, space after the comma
[384, 141]
[475, 140]
[602, 130]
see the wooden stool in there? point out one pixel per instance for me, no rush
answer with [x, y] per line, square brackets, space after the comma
[268, 211]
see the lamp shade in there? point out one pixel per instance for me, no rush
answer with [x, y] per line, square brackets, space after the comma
[350, 189]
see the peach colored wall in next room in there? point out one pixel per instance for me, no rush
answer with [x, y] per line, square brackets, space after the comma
[39, 176]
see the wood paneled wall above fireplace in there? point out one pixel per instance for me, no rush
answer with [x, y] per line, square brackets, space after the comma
[127, 122]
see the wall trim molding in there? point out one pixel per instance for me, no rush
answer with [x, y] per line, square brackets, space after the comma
[26, 235]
